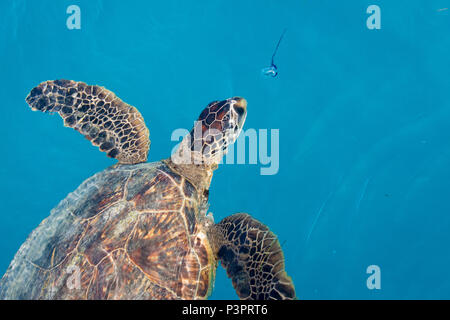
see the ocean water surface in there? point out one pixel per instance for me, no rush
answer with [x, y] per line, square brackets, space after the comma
[363, 117]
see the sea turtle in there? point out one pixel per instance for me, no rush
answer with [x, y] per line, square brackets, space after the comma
[140, 230]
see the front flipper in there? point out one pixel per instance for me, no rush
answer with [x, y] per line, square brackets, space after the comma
[114, 126]
[253, 258]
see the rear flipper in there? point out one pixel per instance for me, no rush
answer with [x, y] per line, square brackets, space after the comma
[253, 258]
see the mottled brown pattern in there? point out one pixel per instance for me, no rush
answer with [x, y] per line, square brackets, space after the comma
[140, 231]
[161, 193]
[107, 232]
[117, 277]
[190, 209]
[188, 189]
[204, 281]
[189, 270]
[65, 281]
[158, 246]
[207, 264]
[60, 246]
[200, 246]
[144, 244]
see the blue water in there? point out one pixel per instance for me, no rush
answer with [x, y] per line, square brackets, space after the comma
[363, 118]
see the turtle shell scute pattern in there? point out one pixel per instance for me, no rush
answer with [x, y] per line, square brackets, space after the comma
[139, 244]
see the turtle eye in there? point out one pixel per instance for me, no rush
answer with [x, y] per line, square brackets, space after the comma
[239, 110]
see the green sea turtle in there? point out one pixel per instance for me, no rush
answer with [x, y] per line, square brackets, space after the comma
[140, 230]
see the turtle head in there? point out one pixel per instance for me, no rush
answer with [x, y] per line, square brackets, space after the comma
[217, 127]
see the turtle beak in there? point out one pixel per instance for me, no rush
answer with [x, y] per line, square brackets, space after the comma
[240, 106]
